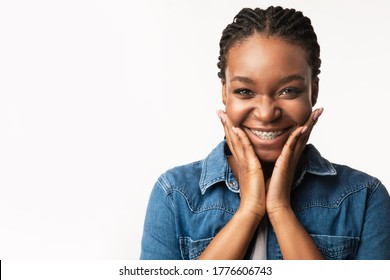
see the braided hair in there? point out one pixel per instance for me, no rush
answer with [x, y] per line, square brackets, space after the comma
[287, 24]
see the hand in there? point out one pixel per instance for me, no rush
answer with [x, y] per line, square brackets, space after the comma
[279, 185]
[233, 240]
[246, 167]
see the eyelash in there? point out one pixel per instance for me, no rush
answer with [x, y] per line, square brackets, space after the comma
[244, 92]
[288, 92]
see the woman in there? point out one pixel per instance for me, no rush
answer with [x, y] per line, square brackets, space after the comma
[263, 193]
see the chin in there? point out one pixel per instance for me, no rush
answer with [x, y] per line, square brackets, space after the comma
[268, 156]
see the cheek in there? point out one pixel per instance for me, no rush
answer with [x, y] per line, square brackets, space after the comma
[236, 112]
[300, 114]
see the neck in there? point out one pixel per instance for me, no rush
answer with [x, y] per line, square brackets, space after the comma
[268, 168]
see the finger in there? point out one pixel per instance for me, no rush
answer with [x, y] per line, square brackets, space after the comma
[244, 144]
[299, 137]
[306, 129]
[239, 143]
[228, 130]
[289, 147]
[309, 125]
[312, 120]
[239, 140]
[235, 133]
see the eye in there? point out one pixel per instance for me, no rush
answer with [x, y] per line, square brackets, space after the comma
[290, 92]
[244, 92]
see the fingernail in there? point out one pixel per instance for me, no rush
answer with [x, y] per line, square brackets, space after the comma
[221, 116]
[317, 114]
[304, 129]
[235, 130]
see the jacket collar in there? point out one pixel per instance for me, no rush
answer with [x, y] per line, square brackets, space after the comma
[312, 162]
[215, 168]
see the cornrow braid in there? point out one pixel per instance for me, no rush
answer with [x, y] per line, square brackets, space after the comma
[287, 24]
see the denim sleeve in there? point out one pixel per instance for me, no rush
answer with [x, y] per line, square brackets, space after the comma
[159, 240]
[375, 238]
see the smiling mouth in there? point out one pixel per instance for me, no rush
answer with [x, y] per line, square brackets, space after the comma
[267, 135]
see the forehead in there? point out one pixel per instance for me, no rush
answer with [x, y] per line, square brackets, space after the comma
[266, 57]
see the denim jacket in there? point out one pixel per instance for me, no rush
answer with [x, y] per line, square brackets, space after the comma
[346, 212]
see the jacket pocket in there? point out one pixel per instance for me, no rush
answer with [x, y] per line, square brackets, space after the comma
[337, 247]
[192, 249]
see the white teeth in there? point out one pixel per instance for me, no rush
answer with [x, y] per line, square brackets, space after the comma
[267, 135]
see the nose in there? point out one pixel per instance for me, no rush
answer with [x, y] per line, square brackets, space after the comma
[266, 109]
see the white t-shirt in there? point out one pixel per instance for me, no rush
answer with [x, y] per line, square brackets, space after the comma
[259, 251]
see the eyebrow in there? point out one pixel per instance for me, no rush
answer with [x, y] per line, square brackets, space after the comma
[284, 80]
[242, 79]
[291, 78]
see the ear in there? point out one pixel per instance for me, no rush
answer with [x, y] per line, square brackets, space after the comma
[314, 91]
[224, 93]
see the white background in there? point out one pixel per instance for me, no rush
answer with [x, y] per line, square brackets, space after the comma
[98, 98]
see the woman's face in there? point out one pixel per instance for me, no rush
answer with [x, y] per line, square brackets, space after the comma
[268, 91]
